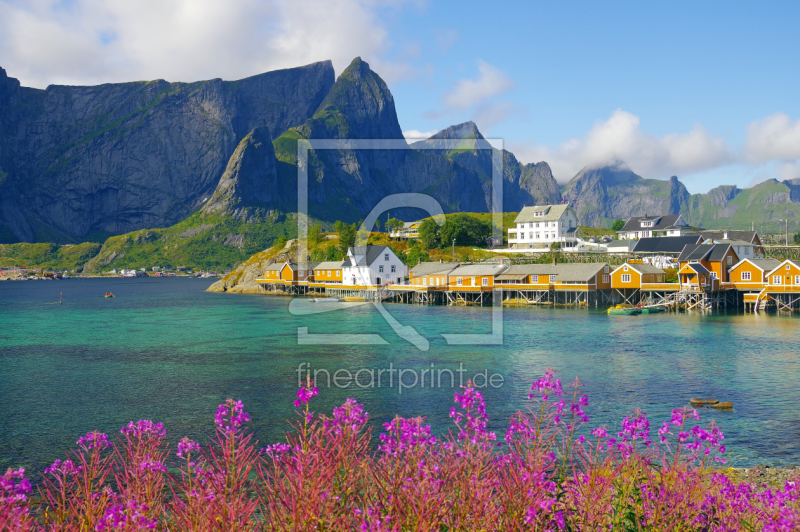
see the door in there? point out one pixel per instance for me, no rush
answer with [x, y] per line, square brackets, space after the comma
[378, 281]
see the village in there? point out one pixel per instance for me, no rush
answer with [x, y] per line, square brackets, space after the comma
[714, 270]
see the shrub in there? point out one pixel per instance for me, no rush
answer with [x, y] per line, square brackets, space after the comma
[546, 473]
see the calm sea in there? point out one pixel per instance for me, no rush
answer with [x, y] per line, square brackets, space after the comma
[165, 350]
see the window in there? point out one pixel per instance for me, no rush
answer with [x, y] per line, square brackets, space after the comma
[787, 267]
[485, 281]
[530, 235]
[329, 273]
[776, 279]
[380, 268]
[337, 273]
[458, 281]
[537, 226]
[713, 275]
[746, 276]
[625, 268]
[606, 268]
[797, 279]
[730, 260]
[552, 278]
[606, 278]
[537, 236]
[626, 277]
[473, 281]
[534, 278]
[394, 268]
[424, 281]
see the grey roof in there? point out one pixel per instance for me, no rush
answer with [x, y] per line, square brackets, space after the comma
[642, 268]
[664, 244]
[697, 267]
[579, 272]
[620, 243]
[303, 265]
[765, 265]
[370, 254]
[695, 252]
[718, 253]
[734, 242]
[431, 268]
[479, 269]
[274, 267]
[329, 265]
[662, 222]
[511, 276]
[719, 234]
[551, 213]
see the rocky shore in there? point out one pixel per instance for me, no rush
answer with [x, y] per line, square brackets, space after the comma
[764, 476]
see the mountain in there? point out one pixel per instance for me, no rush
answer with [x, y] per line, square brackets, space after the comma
[762, 206]
[81, 163]
[601, 195]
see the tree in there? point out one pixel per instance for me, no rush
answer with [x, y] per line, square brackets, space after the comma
[415, 255]
[465, 230]
[393, 225]
[314, 234]
[429, 234]
[377, 225]
[337, 226]
[347, 237]
[797, 238]
[618, 225]
[333, 253]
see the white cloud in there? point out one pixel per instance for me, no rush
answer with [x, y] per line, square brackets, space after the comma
[467, 93]
[95, 41]
[775, 137]
[621, 139]
[415, 134]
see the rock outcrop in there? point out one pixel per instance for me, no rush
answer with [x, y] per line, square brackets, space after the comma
[249, 189]
[601, 195]
[119, 157]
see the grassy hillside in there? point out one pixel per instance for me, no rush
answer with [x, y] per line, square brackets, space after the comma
[761, 206]
[201, 242]
[48, 256]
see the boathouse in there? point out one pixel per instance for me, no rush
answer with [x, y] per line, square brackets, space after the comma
[329, 272]
[716, 258]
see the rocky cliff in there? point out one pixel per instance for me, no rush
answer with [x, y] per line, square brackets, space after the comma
[82, 161]
[601, 195]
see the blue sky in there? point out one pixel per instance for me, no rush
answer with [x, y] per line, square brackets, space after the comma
[703, 90]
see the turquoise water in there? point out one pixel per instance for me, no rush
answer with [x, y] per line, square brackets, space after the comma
[164, 349]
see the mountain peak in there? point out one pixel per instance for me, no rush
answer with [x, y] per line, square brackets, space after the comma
[359, 105]
[465, 130]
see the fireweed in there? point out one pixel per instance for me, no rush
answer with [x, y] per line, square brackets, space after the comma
[545, 473]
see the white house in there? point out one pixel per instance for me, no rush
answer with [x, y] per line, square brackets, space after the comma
[650, 226]
[373, 266]
[542, 225]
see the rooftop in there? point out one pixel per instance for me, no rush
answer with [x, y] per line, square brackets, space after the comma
[551, 213]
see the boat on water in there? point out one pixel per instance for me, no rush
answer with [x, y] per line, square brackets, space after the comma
[653, 310]
[355, 299]
[620, 310]
[109, 294]
[326, 300]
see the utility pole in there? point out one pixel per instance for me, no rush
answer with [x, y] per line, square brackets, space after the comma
[454, 250]
[787, 231]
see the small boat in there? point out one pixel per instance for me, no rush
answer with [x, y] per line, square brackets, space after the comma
[326, 300]
[355, 299]
[109, 294]
[619, 310]
[653, 310]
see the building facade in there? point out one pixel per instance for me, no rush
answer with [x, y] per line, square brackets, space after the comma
[543, 225]
[650, 226]
[373, 266]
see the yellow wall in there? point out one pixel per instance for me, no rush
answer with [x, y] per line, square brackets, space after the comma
[322, 276]
[616, 278]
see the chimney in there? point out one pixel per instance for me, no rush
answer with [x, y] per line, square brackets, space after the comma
[441, 261]
[725, 235]
[554, 261]
[419, 261]
[502, 262]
